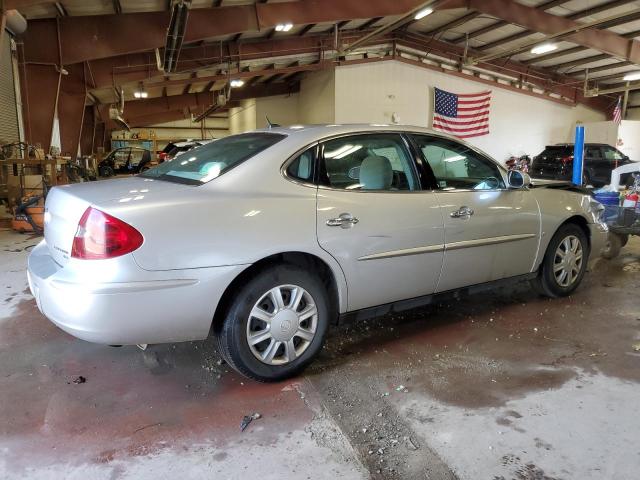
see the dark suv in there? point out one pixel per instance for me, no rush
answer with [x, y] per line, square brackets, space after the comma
[556, 163]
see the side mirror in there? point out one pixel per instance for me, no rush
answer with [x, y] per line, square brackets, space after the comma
[518, 179]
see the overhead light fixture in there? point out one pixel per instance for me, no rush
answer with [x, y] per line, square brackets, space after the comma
[236, 83]
[423, 13]
[544, 48]
[140, 92]
[284, 27]
[629, 77]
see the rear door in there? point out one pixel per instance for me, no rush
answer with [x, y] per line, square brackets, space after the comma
[374, 219]
[491, 232]
[596, 166]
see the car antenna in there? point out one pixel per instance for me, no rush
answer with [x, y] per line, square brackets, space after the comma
[269, 124]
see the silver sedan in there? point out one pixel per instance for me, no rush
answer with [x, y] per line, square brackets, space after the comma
[265, 239]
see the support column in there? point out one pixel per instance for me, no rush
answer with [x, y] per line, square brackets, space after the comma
[71, 109]
[87, 135]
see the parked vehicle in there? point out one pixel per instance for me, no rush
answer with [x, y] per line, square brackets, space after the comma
[127, 160]
[266, 238]
[521, 163]
[174, 149]
[556, 163]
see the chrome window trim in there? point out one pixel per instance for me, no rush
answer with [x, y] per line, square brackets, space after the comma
[283, 168]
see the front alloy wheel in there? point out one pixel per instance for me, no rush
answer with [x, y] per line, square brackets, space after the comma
[567, 263]
[564, 263]
[282, 324]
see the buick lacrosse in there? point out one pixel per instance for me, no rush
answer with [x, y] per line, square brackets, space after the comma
[265, 239]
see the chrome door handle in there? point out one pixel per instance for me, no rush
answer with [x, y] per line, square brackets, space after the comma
[345, 220]
[462, 212]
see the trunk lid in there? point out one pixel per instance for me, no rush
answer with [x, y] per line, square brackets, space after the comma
[66, 204]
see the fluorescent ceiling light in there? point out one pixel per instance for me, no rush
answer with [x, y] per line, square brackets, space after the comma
[236, 82]
[284, 27]
[353, 149]
[544, 48]
[455, 158]
[423, 13]
[631, 76]
[335, 153]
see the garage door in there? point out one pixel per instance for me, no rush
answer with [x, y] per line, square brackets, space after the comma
[8, 112]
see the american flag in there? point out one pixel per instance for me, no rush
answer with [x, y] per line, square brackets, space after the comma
[617, 112]
[463, 115]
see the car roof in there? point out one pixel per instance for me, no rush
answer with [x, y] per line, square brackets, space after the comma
[587, 144]
[311, 133]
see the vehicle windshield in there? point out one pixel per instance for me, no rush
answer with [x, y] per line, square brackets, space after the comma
[209, 161]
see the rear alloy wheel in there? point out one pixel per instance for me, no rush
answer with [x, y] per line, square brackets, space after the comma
[275, 325]
[564, 263]
[282, 325]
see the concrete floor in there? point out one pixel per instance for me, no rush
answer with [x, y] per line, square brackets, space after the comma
[504, 385]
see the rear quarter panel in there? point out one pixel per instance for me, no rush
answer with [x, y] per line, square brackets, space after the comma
[247, 214]
[556, 207]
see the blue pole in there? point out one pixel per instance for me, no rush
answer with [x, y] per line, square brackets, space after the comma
[578, 155]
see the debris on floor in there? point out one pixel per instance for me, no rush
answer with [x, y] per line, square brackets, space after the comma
[247, 419]
[78, 380]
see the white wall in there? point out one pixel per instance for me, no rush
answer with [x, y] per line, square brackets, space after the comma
[601, 132]
[317, 98]
[243, 118]
[625, 137]
[519, 123]
[629, 139]
[281, 109]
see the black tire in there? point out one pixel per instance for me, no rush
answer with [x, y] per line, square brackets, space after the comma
[614, 244]
[546, 283]
[106, 171]
[231, 335]
[624, 239]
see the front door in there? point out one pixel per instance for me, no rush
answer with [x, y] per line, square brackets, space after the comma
[491, 232]
[374, 219]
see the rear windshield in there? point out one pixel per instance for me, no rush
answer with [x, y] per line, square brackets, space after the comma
[556, 151]
[209, 161]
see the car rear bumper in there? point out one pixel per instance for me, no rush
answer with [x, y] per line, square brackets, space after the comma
[169, 306]
[598, 237]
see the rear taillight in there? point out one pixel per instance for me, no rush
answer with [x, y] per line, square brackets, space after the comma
[567, 159]
[101, 236]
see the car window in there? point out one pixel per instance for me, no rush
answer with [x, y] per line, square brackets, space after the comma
[136, 156]
[594, 153]
[301, 168]
[456, 166]
[212, 160]
[611, 153]
[121, 156]
[368, 162]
